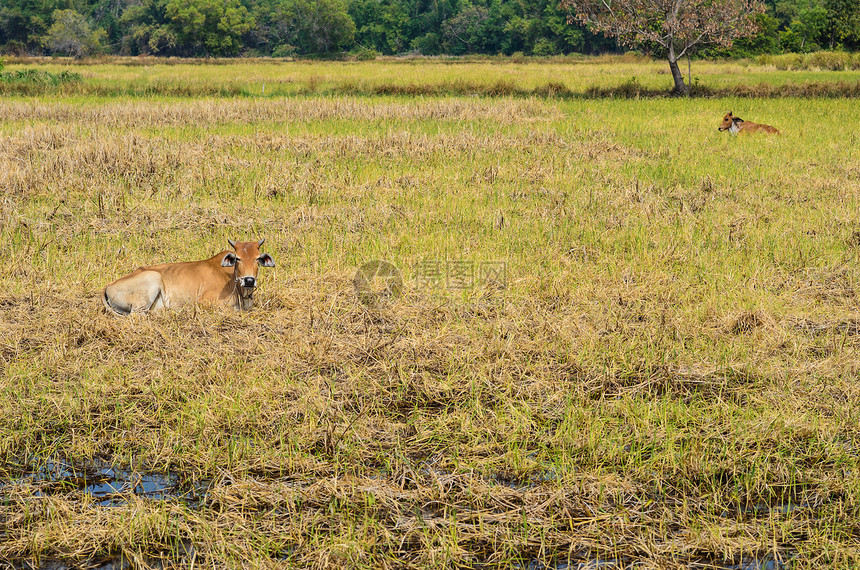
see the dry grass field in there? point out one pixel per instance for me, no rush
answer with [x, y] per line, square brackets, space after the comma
[560, 77]
[665, 376]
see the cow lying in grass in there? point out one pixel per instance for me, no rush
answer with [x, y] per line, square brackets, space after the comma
[737, 126]
[229, 278]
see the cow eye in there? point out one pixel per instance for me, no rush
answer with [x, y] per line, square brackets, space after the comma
[266, 260]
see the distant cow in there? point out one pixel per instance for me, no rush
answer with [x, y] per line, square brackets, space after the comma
[736, 126]
[229, 278]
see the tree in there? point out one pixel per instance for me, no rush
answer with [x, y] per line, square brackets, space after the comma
[106, 15]
[214, 27]
[806, 24]
[25, 22]
[71, 33]
[843, 22]
[379, 25]
[312, 26]
[674, 28]
[147, 29]
[463, 31]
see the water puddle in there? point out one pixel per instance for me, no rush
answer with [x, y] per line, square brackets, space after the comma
[757, 565]
[767, 562]
[533, 480]
[585, 563]
[183, 553]
[597, 563]
[583, 560]
[108, 485]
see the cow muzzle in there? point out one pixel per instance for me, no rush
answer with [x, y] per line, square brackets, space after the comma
[247, 282]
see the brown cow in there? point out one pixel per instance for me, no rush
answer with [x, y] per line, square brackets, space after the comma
[737, 126]
[229, 278]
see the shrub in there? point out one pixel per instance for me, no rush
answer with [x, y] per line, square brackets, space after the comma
[553, 89]
[428, 44]
[284, 50]
[502, 88]
[544, 47]
[783, 62]
[38, 77]
[630, 89]
[366, 54]
[15, 47]
[828, 60]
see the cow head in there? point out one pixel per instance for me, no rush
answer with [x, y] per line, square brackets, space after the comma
[728, 121]
[245, 262]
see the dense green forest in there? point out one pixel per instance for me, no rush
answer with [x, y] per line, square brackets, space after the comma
[367, 27]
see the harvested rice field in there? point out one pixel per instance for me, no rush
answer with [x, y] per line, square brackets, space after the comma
[604, 335]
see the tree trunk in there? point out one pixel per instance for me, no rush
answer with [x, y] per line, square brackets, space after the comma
[680, 88]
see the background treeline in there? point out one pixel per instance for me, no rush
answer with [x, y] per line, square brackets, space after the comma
[368, 27]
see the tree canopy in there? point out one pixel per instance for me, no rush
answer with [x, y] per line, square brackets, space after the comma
[672, 28]
[304, 27]
[71, 33]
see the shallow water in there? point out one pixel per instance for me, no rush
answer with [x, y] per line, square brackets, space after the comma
[185, 553]
[110, 486]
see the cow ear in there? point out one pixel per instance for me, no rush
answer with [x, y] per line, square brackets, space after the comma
[229, 260]
[266, 260]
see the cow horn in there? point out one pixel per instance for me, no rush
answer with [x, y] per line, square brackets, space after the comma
[261, 242]
[232, 244]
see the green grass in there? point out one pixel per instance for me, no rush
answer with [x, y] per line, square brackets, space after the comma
[672, 364]
[609, 76]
